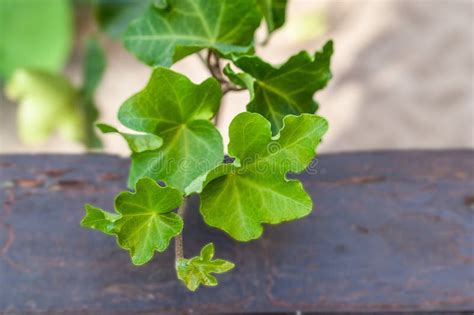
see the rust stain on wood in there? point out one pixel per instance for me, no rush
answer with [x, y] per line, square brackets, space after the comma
[29, 182]
[56, 172]
[357, 180]
[72, 185]
[111, 177]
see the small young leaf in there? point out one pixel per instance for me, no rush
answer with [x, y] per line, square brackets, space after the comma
[197, 270]
[178, 111]
[239, 197]
[162, 37]
[99, 219]
[144, 221]
[274, 12]
[137, 143]
[289, 89]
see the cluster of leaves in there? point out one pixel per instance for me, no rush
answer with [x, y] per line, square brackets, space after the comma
[33, 53]
[178, 152]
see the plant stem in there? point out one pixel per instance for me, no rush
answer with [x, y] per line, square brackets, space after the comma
[178, 240]
[213, 63]
[214, 66]
[230, 87]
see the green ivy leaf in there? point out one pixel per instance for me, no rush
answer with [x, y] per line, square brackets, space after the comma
[178, 111]
[163, 36]
[274, 12]
[137, 143]
[93, 70]
[289, 89]
[239, 197]
[100, 220]
[145, 221]
[47, 103]
[197, 270]
[34, 34]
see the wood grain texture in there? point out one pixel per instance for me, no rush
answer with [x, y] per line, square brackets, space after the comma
[391, 231]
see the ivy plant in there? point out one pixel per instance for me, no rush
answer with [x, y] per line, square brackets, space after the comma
[178, 152]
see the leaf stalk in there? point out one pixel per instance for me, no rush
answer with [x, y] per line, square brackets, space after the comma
[178, 240]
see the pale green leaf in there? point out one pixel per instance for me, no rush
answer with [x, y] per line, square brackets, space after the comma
[144, 221]
[274, 12]
[289, 89]
[197, 270]
[137, 143]
[34, 34]
[48, 103]
[239, 197]
[178, 111]
[163, 36]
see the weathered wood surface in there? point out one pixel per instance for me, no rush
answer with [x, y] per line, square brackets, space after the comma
[390, 231]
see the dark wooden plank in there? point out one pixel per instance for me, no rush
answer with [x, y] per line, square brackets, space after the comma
[391, 231]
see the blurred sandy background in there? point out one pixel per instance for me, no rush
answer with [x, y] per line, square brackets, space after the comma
[403, 75]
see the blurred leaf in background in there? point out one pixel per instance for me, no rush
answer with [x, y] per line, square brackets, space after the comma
[93, 70]
[34, 34]
[47, 103]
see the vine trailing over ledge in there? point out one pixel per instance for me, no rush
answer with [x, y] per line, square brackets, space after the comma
[179, 152]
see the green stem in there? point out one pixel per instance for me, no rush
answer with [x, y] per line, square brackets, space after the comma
[178, 240]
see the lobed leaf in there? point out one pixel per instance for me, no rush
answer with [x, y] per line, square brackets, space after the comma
[178, 111]
[144, 221]
[197, 270]
[239, 197]
[163, 36]
[289, 89]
